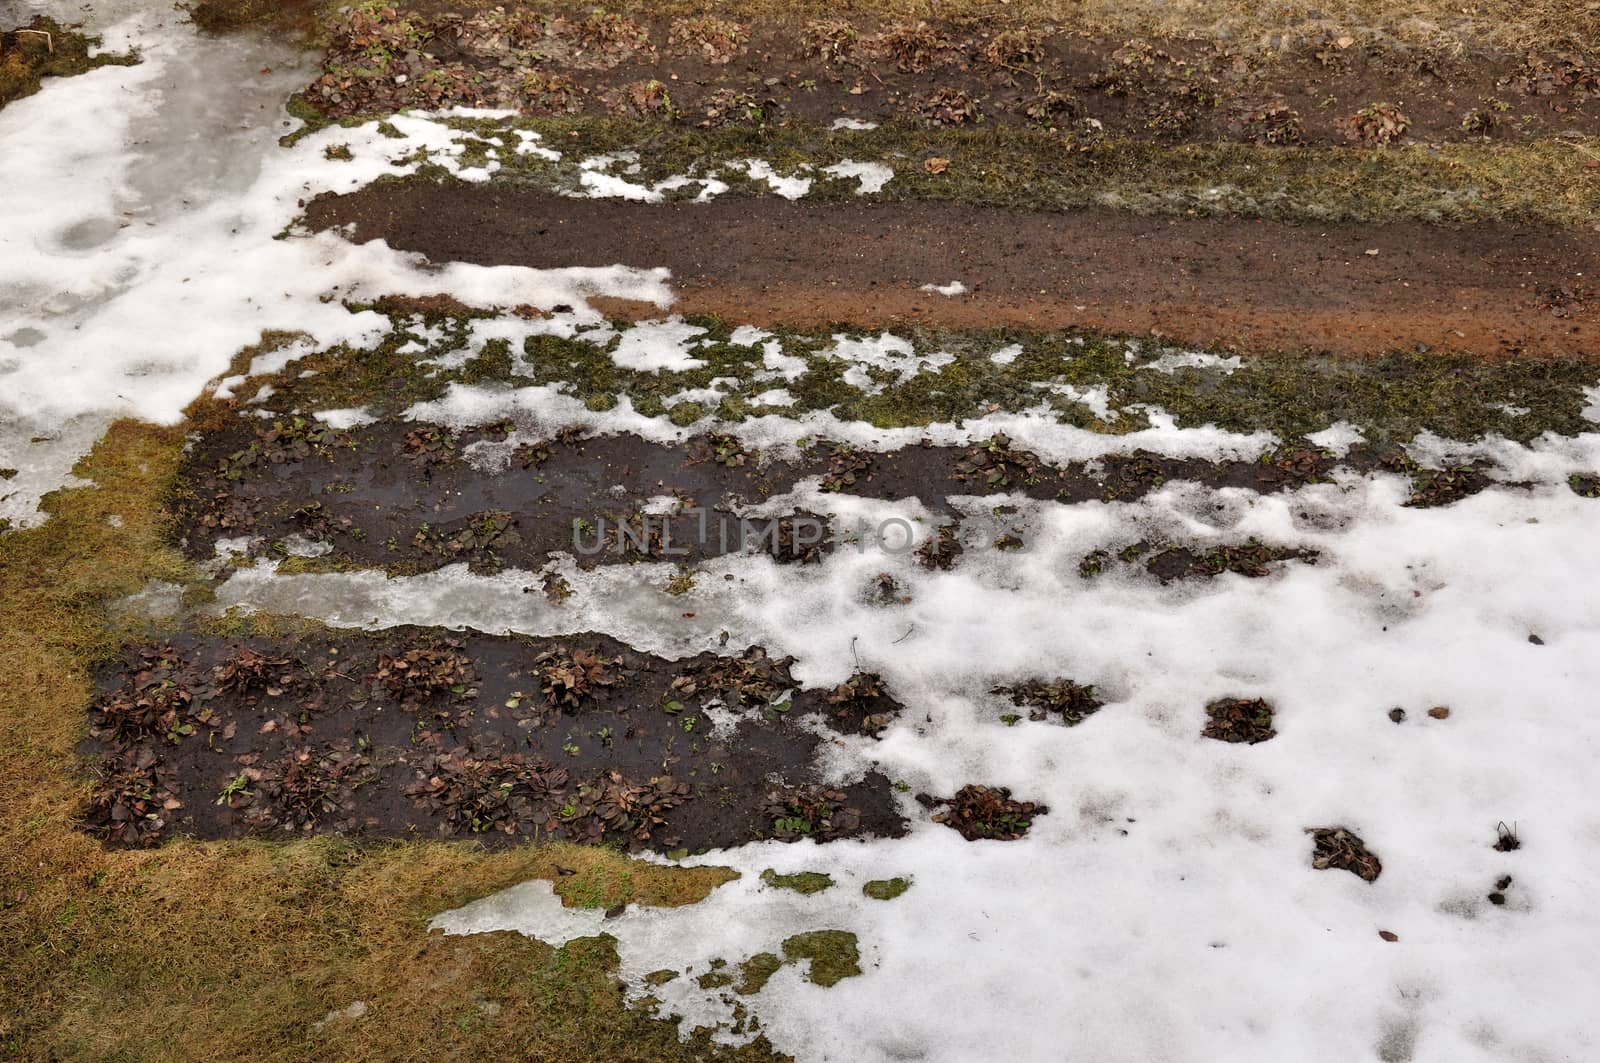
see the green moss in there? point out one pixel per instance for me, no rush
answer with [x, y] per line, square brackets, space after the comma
[43, 49]
[1291, 394]
[715, 979]
[805, 882]
[754, 972]
[1026, 168]
[886, 889]
[686, 413]
[661, 977]
[833, 954]
[313, 119]
[1389, 399]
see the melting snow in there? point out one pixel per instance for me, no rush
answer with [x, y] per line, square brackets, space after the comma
[1165, 908]
[1172, 361]
[871, 175]
[787, 187]
[138, 250]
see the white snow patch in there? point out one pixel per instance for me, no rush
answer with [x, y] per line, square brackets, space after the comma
[542, 409]
[953, 288]
[787, 187]
[1096, 397]
[1171, 361]
[887, 352]
[871, 175]
[1170, 885]
[1337, 438]
[656, 345]
[344, 419]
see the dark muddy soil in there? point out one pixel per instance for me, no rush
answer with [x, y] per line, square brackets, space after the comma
[1169, 561]
[412, 497]
[1356, 289]
[711, 71]
[421, 733]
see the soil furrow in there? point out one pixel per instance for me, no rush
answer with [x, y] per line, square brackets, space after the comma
[418, 732]
[410, 498]
[1493, 289]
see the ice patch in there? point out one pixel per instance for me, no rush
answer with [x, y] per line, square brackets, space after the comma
[953, 288]
[193, 190]
[1171, 361]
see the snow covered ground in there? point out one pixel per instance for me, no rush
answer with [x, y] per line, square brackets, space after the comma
[1165, 908]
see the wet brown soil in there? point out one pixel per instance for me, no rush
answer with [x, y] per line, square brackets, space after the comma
[415, 497]
[714, 72]
[415, 732]
[1351, 289]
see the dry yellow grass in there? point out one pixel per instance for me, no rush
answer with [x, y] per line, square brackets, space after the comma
[201, 951]
[1425, 23]
[1433, 24]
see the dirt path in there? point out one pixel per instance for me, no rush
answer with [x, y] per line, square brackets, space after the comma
[1491, 289]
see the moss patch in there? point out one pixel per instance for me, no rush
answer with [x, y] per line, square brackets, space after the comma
[1024, 168]
[46, 49]
[886, 889]
[833, 954]
[754, 972]
[1391, 398]
[804, 882]
[599, 879]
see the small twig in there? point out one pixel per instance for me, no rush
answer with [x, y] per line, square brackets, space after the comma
[1574, 140]
[49, 41]
[1037, 75]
